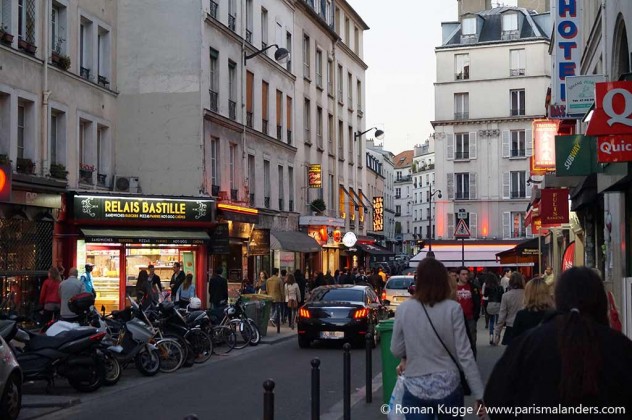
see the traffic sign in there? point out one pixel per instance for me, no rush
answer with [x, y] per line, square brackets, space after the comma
[462, 230]
[462, 214]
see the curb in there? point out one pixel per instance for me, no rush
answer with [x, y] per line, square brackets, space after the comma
[59, 404]
[275, 340]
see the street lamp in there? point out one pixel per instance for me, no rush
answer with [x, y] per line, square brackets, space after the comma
[281, 55]
[430, 253]
[379, 134]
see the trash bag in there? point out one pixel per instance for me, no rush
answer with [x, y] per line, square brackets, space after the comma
[396, 400]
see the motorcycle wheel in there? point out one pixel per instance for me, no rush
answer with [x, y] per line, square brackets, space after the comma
[113, 370]
[94, 382]
[171, 354]
[147, 362]
[202, 345]
[11, 398]
[256, 335]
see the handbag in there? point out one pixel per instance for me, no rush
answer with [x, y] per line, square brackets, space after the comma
[464, 385]
[493, 308]
[292, 303]
[613, 313]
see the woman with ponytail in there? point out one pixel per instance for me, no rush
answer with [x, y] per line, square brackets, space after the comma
[573, 358]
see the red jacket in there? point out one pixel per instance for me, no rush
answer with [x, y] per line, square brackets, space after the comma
[50, 292]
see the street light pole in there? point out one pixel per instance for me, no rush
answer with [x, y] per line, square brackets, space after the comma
[430, 253]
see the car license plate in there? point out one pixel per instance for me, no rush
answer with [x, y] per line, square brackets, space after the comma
[332, 334]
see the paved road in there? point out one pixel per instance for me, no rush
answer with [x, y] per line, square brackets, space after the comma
[226, 388]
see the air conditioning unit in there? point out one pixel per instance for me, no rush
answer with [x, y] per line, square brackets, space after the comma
[128, 184]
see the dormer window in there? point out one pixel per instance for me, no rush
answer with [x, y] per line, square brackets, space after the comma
[468, 27]
[510, 22]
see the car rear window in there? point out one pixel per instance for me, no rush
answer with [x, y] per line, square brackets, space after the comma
[337, 295]
[399, 283]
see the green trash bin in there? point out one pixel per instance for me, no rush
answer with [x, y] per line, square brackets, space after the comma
[258, 309]
[389, 362]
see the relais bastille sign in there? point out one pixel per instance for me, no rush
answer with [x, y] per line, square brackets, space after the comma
[100, 208]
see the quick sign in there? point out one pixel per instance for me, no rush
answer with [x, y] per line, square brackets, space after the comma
[613, 109]
[5, 183]
[567, 41]
[378, 214]
[614, 149]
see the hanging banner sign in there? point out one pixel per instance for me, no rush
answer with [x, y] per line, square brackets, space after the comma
[220, 239]
[614, 149]
[378, 214]
[580, 93]
[567, 47]
[544, 132]
[575, 155]
[314, 176]
[554, 206]
[613, 109]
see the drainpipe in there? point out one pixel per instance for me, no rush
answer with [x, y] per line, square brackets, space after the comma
[45, 94]
[606, 64]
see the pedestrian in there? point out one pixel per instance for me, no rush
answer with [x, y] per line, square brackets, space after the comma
[218, 289]
[429, 336]
[186, 291]
[382, 274]
[549, 278]
[292, 298]
[285, 311]
[572, 361]
[68, 288]
[260, 286]
[154, 281]
[329, 279]
[86, 279]
[246, 287]
[176, 278]
[376, 281]
[504, 281]
[143, 289]
[511, 302]
[469, 297]
[320, 279]
[537, 304]
[300, 280]
[274, 288]
[337, 277]
[49, 296]
[493, 293]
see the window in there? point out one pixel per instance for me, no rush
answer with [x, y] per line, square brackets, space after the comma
[359, 94]
[340, 82]
[26, 20]
[319, 68]
[264, 28]
[264, 106]
[398, 193]
[341, 145]
[281, 188]
[306, 57]
[232, 162]
[214, 85]
[288, 46]
[84, 135]
[518, 144]
[249, 23]
[462, 66]
[518, 184]
[103, 57]
[100, 152]
[288, 110]
[330, 132]
[517, 62]
[232, 90]
[215, 170]
[461, 106]
[307, 111]
[266, 184]
[232, 15]
[517, 102]
[349, 91]
[58, 29]
[398, 211]
[279, 114]
[54, 127]
[462, 186]
[510, 22]
[356, 40]
[85, 48]
[319, 127]
[332, 191]
[513, 225]
[21, 130]
[250, 81]
[290, 177]
[330, 77]
[252, 176]
[468, 26]
[462, 146]
[347, 32]
[337, 20]
[350, 140]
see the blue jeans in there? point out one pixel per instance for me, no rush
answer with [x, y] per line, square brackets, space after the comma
[450, 405]
[277, 311]
[492, 321]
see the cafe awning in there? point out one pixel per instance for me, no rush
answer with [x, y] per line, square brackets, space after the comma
[374, 249]
[523, 249]
[132, 236]
[293, 241]
[476, 255]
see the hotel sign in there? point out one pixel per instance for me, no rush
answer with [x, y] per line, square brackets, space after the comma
[378, 214]
[100, 208]
[567, 47]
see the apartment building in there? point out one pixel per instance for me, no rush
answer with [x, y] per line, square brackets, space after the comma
[404, 201]
[382, 185]
[423, 171]
[492, 69]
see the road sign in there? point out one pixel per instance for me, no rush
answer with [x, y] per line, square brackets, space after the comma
[462, 214]
[462, 230]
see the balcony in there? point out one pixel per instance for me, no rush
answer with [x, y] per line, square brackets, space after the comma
[406, 178]
[213, 100]
[249, 116]
[232, 110]
[397, 197]
[231, 22]
[264, 126]
[249, 36]
[266, 202]
[517, 153]
[103, 81]
[290, 204]
[516, 72]
[281, 204]
[279, 132]
[461, 115]
[518, 194]
[289, 136]
[398, 214]
[215, 190]
[252, 200]
[84, 73]
[213, 11]
[462, 155]
[462, 195]
[234, 195]
[517, 111]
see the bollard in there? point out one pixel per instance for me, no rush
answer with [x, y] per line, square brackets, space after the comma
[346, 371]
[278, 317]
[315, 388]
[268, 400]
[369, 368]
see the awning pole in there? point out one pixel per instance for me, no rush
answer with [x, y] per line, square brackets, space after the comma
[539, 252]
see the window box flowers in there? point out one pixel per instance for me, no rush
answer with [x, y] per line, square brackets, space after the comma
[25, 166]
[85, 173]
[58, 171]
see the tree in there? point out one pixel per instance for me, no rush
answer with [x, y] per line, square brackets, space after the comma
[318, 205]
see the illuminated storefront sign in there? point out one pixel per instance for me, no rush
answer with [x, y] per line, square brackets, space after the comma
[259, 242]
[99, 208]
[378, 214]
[5, 182]
[554, 206]
[614, 149]
[567, 49]
[544, 132]
[314, 176]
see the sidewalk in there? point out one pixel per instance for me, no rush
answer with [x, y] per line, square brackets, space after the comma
[272, 337]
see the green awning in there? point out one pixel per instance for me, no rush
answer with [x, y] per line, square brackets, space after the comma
[157, 236]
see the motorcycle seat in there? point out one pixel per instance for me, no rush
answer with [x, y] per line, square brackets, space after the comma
[6, 328]
[192, 316]
[41, 341]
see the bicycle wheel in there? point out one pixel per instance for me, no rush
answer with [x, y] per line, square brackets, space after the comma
[256, 335]
[201, 344]
[171, 354]
[223, 339]
[243, 335]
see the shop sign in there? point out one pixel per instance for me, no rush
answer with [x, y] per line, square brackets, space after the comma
[141, 239]
[378, 214]
[554, 206]
[613, 109]
[349, 240]
[259, 243]
[567, 43]
[544, 132]
[237, 213]
[337, 236]
[220, 240]
[614, 149]
[580, 93]
[568, 257]
[575, 155]
[315, 176]
[99, 208]
[5, 182]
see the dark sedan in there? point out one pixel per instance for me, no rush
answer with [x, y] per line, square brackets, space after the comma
[345, 313]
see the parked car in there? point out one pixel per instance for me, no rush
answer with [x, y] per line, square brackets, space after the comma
[340, 312]
[396, 290]
[10, 377]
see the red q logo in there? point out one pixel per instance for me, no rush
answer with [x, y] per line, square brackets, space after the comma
[613, 109]
[608, 107]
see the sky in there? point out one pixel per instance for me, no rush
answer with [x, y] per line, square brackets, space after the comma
[399, 50]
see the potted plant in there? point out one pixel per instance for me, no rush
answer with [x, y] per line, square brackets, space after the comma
[5, 36]
[58, 171]
[63, 62]
[25, 166]
[318, 205]
[85, 173]
[4, 159]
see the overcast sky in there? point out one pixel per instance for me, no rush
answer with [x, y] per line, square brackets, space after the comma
[399, 50]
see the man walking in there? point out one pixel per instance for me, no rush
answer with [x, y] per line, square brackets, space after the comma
[218, 289]
[154, 281]
[274, 289]
[469, 297]
[177, 278]
[86, 279]
[68, 288]
[285, 311]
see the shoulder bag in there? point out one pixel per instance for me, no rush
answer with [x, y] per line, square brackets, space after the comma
[464, 385]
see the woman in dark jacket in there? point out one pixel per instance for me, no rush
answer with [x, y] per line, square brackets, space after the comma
[300, 280]
[573, 358]
[537, 302]
[493, 293]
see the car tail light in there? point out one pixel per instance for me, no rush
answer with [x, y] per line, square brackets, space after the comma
[97, 337]
[361, 313]
[303, 313]
[383, 294]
